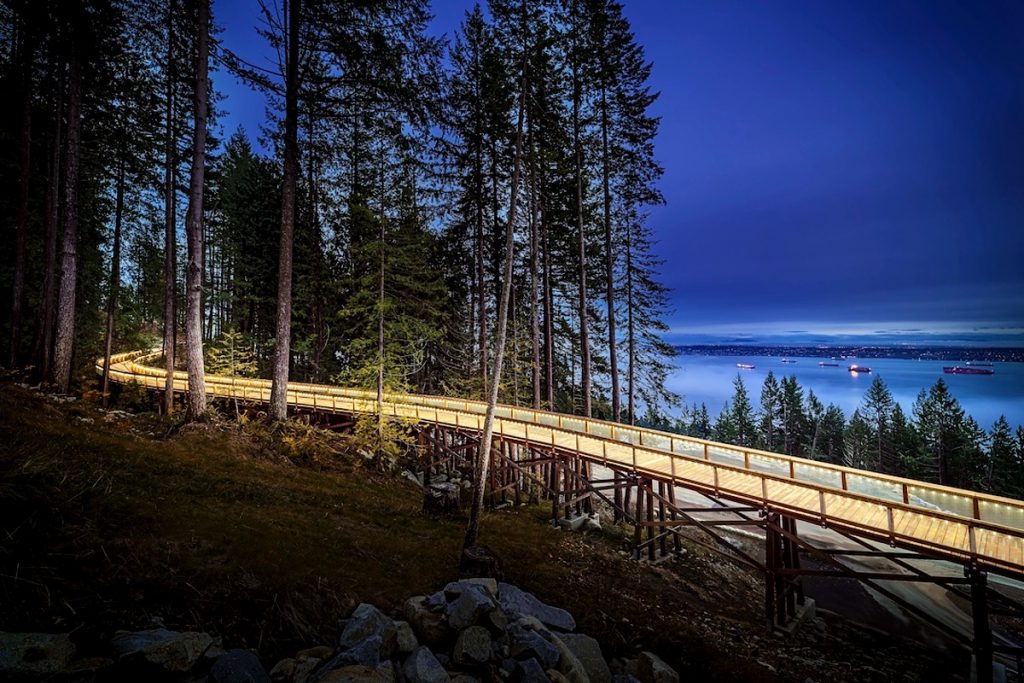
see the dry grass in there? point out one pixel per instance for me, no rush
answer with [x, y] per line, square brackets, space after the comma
[104, 526]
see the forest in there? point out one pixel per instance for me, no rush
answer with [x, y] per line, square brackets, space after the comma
[937, 442]
[462, 216]
[369, 247]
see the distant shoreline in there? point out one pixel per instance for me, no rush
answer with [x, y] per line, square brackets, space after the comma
[950, 353]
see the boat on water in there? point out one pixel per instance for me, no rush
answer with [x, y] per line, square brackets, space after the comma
[826, 364]
[788, 360]
[964, 370]
[859, 369]
[978, 364]
[745, 366]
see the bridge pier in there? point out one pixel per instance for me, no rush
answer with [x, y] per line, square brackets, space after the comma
[982, 640]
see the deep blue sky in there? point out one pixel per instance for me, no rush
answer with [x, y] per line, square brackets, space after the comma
[830, 167]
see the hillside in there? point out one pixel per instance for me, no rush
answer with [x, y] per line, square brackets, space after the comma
[267, 537]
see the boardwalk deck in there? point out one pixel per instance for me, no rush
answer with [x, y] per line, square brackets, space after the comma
[949, 523]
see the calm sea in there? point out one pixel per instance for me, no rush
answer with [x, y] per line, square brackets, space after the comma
[708, 379]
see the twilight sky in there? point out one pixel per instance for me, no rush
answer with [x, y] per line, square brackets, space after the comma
[831, 168]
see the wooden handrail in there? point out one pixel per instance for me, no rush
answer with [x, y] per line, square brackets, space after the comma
[771, 489]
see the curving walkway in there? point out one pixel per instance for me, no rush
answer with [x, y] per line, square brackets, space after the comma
[945, 522]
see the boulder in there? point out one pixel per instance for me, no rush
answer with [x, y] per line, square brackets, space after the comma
[405, 638]
[365, 653]
[652, 669]
[367, 621]
[238, 666]
[524, 644]
[355, 673]
[588, 652]
[34, 654]
[529, 671]
[318, 652]
[472, 647]
[516, 601]
[429, 626]
[168, 650]
[470, 607]
[568, 665]
[422, 667]
[283, 671]
[455, 588]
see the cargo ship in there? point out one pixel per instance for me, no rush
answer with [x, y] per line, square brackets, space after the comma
[788, 360]
[745, 366]
[962, 370]
[859, 369]
[826, 364]
[978, 364]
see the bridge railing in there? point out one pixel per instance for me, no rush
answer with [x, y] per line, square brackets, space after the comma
[967, 524]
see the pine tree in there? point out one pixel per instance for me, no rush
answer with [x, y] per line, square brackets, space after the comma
[857, 442]
[876, 410]
[792, 417]
[742, 415]
[768, 420]
[832, 435]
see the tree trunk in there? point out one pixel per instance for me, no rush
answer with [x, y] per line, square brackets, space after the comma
[609, 256]
[282, 350]
[534, 277]
[115, 279]
[64, 336]
[549, 314]
[630, 333]
[25, 171]
[486, 438]
[578, 170]
[43, 351]
[194, 229]
[170, 227]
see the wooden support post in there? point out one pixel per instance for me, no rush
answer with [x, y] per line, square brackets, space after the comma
[556, 474]
[982, 643]
[672, 499]
[770, 550]
[617, 513]
[661, 518]
[649, 490]
[638, 530]
[789, 584]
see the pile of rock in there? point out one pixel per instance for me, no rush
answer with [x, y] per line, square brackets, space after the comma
[473, 630]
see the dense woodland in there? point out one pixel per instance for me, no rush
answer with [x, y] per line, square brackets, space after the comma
[369, 248]
[937, 442]
[416, 186]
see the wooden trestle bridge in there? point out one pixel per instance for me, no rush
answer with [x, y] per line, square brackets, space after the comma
[908, 527]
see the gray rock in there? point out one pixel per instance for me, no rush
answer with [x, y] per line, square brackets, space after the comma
[470, 607]
[405, 638]
[556, 677]
[472, 647]
[436, 601]
[455, 588]
[625, 678]
[588, 652]
[422, 667]
[283, 671]
[464, 678]
[516, 601]
[34, 654]
[429, 626]
[526, 644]
[529, 671]
[652, 669]
[367, 621]
[169, 650]
[304, 669]
[366, 653]
[410, 476]
[318, 652]
[568, 664]
[354, 673]
[238, 666]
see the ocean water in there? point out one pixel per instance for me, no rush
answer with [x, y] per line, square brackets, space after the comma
[708, 379]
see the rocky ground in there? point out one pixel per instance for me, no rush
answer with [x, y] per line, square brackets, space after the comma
[123, 533]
